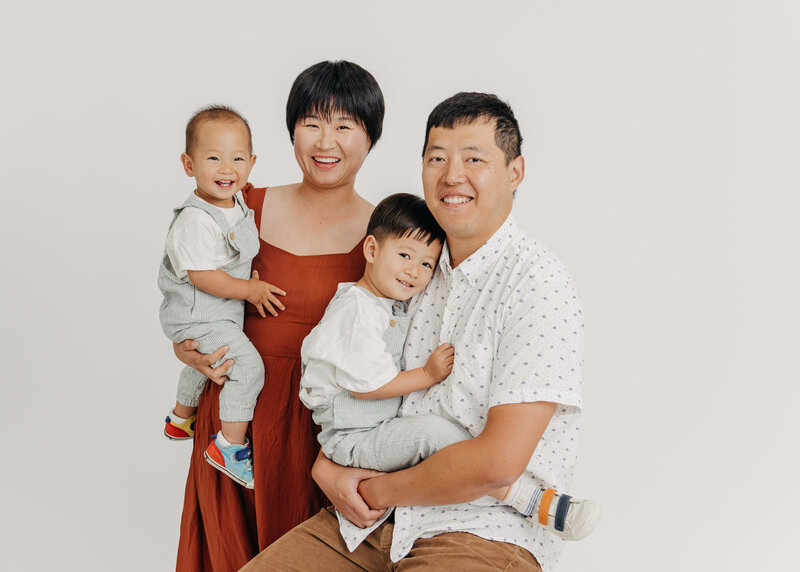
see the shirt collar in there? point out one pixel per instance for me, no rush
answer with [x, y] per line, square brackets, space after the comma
[478, 260]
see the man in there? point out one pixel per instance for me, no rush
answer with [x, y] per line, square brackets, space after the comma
[511, 311]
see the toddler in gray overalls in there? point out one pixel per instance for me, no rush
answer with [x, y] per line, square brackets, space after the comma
[205, 278]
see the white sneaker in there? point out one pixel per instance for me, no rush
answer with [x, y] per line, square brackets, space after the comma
[580, 518]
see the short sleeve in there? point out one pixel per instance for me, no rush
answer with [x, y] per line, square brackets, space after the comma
[540, 356]
[348, 343]
[192, 242]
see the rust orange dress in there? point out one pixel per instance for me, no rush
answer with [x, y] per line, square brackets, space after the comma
[224, 525]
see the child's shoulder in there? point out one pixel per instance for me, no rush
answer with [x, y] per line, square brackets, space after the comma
[355, 305]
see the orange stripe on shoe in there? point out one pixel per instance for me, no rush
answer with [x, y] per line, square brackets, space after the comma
[544, 506]
[215, 453]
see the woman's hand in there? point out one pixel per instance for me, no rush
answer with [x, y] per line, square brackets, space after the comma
[186, 351]
[340, 485]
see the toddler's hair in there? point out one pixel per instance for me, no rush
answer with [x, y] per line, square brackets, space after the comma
[337, 87]
[214, 112]
[403, 214]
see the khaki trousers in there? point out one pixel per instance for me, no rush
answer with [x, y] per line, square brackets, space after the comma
[317, 545]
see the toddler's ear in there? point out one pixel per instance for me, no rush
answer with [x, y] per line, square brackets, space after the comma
[186, 161]
[370, 247]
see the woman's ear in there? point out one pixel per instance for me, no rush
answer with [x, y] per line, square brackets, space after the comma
[370, 248]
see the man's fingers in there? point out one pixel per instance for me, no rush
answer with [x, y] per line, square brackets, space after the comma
[255, 274]
[189, 345]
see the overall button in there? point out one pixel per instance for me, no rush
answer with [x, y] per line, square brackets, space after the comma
[393, 323]
[232, 235]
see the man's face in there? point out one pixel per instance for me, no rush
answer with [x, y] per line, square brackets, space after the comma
[468, 185]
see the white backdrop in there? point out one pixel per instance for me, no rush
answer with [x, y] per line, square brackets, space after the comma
[662, 147]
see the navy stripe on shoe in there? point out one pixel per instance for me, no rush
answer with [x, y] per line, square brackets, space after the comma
[561, 512]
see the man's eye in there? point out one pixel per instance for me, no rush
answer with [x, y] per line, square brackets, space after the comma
[435, 160]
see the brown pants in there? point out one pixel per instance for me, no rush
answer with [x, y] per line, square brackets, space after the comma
[317, 545]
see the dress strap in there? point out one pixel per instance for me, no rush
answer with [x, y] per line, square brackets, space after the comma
[254, 197]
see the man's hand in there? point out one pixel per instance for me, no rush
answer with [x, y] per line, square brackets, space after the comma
[186, 351]
[340, 485]
[440, 363]
[262, 296]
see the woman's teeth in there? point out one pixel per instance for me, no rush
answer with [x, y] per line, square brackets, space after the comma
[326, 159]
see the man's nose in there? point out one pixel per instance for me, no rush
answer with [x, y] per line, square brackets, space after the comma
[455, 173]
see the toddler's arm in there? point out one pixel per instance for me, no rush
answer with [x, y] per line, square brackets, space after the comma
[438, 367]
[221, 284]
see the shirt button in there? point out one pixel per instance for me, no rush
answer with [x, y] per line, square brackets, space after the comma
[393, 323]
[232, 236]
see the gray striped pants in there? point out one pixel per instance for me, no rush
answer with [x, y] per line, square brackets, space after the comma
[397, 443]
[245, 379]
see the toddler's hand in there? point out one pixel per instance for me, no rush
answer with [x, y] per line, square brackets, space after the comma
[440, 363]
[263, 296]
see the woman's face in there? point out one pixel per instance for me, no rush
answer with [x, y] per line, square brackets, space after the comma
[330, 151]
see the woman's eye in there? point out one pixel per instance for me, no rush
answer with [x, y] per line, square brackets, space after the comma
[474, 160]
[343, 127]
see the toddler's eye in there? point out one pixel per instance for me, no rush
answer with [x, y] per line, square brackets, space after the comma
[212, 158]
[238, 159]
[404, 255]
[427, 265]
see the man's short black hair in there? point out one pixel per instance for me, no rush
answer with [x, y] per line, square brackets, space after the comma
[337, 87]
[403, 214]
[465, 108]
[214, 112]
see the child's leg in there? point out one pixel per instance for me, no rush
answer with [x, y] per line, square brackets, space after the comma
[400, 442]
[230, 451]
[180, 421]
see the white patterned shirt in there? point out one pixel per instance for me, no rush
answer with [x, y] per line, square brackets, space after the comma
[515, 319]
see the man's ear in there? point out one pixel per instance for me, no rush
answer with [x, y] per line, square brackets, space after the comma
[517, 172]
[186, 161]
[370, 248]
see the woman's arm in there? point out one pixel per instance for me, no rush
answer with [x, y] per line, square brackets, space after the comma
[340, 485]
[186, 351]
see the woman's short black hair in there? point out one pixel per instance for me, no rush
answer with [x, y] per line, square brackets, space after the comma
[403, 214]
[342, 87]
[465, 108]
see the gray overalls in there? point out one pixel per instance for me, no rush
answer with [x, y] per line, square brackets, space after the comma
[367, 433]
[188, 313]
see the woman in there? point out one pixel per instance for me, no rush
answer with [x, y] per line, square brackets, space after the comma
[311, 235]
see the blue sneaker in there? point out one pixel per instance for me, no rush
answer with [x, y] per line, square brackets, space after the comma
[235, 461]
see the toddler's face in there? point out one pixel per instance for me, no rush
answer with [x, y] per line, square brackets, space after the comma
[400, 268]
[220, 161]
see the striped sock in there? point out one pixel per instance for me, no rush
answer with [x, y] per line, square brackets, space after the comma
[524, 497]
